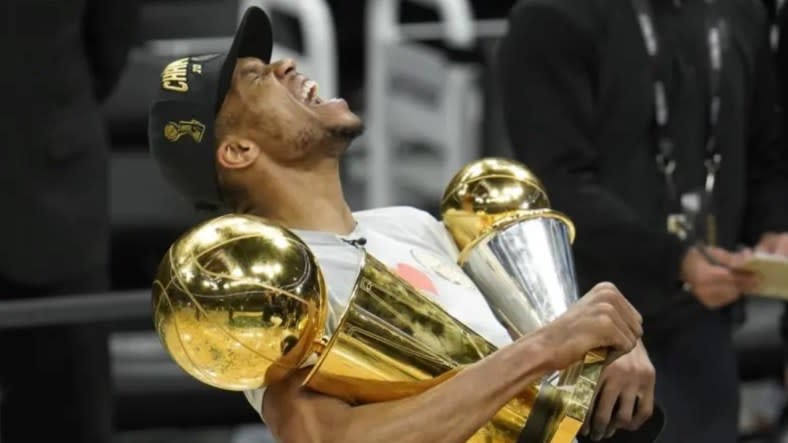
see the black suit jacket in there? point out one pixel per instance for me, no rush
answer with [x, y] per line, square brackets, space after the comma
[578, 99]
[59, 60]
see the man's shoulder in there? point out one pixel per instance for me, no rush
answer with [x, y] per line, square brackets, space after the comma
[403, 223]
[578, 11]
[751, 14]
[585, 14]
[400, 215]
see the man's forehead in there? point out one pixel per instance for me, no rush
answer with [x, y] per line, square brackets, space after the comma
[245, 61]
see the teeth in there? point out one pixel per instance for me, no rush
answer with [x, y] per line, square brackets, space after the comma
[304, 92]
[308, 91]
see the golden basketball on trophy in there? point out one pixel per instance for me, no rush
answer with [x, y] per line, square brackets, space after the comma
[239, 303]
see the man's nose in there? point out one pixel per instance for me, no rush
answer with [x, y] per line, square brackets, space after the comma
[283, 67]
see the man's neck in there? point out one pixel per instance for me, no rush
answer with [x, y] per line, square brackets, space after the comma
[309, 200]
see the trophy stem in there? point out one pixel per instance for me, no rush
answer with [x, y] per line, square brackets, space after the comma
[523, 266]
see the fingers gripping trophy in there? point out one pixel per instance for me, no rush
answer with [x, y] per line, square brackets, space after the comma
[240, 303]
[518, 252]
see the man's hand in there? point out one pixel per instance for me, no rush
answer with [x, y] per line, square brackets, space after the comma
[716, 285]
[629, 383]
[773, 243]
[603, 318]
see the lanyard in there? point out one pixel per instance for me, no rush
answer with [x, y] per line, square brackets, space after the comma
[666, 162]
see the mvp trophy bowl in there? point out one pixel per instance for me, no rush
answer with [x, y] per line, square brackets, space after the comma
[518, 253]
[240, 303]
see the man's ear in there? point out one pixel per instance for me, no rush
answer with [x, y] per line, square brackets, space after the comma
[237, 153]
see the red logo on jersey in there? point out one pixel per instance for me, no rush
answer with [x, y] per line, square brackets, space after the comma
[418, 279]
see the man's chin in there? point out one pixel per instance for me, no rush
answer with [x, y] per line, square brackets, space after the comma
[348, 131]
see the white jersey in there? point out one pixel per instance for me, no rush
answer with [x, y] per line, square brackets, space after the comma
[415, 246]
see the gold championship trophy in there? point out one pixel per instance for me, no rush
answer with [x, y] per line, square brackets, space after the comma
[239, 303]
[518, 252]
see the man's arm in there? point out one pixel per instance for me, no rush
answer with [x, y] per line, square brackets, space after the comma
[450, 412]
[109, 30]
[767, 156]
[546, 72]
[457, 408]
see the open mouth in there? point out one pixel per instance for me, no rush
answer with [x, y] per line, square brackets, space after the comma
[308, 94]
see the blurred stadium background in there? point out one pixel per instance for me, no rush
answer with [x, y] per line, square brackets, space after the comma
[421, 77]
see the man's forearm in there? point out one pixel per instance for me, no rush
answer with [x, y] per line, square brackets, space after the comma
[455, 409]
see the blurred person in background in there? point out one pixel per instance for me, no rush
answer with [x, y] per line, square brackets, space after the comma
[654, 125]
[781, 23]
[61, 59]
[238, 132]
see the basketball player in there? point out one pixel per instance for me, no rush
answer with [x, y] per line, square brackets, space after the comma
[240, 132]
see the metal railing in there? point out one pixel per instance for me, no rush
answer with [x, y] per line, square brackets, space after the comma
[416, 95]
[75, 309]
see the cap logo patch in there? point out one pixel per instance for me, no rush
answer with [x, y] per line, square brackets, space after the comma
[173, 131]
[173, 78]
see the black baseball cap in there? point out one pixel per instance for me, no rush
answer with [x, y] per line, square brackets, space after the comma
[182, 118]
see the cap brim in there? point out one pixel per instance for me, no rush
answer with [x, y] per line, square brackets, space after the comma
[254, 38]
